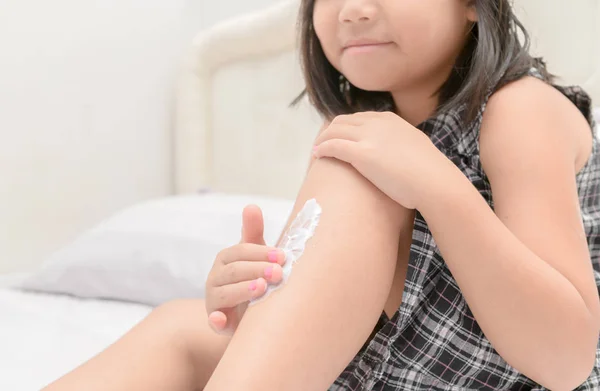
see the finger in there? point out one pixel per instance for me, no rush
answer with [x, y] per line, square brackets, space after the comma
[251, 252]
[229, 296]
[344, 132]
[363, 115]
[252, 225]
[235, 272]
[359, 117]
[217, 321]
[347, 151]
[347, 119]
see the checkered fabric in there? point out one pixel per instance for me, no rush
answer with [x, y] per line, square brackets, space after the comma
[433, 342]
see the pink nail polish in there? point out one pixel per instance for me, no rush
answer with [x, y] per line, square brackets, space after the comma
[272, 256]
[269, 272]
[252, 286]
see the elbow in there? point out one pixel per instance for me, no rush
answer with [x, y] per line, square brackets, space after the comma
[573, 365]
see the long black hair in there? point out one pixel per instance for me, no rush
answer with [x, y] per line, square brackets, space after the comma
[493, 56]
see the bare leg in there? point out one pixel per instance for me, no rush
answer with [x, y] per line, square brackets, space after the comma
[305, 333]
[172, 349]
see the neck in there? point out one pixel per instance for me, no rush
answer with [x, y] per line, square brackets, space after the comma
[419, 101]
[415, 107]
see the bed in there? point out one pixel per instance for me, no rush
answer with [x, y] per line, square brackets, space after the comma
[43, 336]
[232, 124]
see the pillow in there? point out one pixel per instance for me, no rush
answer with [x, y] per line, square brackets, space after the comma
[154, 251]
[597, 115]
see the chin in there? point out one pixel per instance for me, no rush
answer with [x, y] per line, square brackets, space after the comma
[372, 83]
[372, 78]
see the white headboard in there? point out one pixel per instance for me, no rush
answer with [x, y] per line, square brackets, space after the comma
[234, 131]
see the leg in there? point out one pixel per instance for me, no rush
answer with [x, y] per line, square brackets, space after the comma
[172, 349]
[304, 334]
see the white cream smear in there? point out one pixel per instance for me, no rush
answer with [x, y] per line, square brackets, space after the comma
[294, 241]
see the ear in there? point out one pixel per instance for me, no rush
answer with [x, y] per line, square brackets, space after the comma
[472, 11]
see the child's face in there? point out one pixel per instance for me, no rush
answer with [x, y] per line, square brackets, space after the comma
[420, 39]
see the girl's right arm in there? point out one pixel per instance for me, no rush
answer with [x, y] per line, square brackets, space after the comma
[310, 163]
[303, 335]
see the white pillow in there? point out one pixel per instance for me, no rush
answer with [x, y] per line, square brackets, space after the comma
[597, 115]
[154, 251]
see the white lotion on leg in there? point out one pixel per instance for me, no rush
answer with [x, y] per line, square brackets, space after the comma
[294, 241]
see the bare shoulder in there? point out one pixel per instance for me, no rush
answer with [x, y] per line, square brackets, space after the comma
[531, 114]
[312, 158]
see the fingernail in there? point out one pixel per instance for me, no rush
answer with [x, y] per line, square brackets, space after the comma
[252, 286]
[269, 272]
[273, 256]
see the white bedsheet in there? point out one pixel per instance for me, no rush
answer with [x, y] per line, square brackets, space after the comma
[44, 336]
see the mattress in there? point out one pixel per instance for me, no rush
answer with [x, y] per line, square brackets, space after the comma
[43, 336]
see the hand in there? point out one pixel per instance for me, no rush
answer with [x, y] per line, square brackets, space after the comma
[241, 273]
[395, 156]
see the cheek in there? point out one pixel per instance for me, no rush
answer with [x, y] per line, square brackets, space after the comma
[324, 22]
[428, 31]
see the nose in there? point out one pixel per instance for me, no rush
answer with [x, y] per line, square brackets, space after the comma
[358, 11]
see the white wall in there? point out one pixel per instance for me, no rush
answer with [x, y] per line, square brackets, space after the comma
[85, 95]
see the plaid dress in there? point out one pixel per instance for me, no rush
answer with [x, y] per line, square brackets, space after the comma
[433, 342]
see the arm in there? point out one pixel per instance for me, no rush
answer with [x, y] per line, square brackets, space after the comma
[304, 334]
[310, 163]
[525, 271]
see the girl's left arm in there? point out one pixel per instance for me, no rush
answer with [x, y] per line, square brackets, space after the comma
[525, 270]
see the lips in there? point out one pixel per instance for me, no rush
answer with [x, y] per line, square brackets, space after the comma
[364, 42]
[364, 46]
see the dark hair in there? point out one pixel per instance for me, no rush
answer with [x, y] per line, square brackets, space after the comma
[493, 56]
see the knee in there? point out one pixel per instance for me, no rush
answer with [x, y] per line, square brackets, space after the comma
[184, 324]
[175, 321]
[176, 311]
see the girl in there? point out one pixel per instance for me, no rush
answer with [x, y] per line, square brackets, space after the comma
[458, 247]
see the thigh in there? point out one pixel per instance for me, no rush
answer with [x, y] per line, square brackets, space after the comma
[173, 348]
